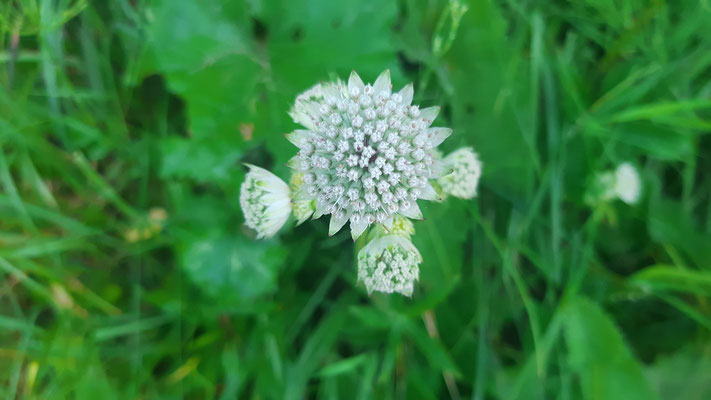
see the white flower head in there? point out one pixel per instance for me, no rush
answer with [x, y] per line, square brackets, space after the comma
[366, 152]
[389, 264]
[627, 183]
[466, 171]
[265, 201]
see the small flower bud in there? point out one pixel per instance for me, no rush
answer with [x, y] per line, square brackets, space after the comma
[389, 264]
[265, 201]
[627, 183]
[466, 170]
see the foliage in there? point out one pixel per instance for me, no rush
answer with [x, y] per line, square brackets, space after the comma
[126, 270]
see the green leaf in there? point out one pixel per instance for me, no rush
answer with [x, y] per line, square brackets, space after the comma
[211, 66]
[232, 269]
[489, 87]
[344, 366]
[599, 356]
[665, 278]
[211, 34]
[200, 160]
[682, 375]
[309, 39]
[657, 110]
[646, 138]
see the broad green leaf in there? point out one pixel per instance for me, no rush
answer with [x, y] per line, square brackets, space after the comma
[232, 269]
[214, 32]
[600, 357]
[489, 90]
[310, 39]
[212, 67]
[203, 160]
[682, 375]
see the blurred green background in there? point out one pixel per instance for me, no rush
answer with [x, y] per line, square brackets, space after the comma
[126, 271]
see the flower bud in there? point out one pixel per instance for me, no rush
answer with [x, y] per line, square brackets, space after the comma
[466, 170]
[623, 183]
[627, 183]
[389, 264]
[265, 201]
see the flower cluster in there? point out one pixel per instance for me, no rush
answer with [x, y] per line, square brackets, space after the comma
[366, 156]
[366, 153]
[466, 170]
[627, 183]
[623, 183]
[389, 264]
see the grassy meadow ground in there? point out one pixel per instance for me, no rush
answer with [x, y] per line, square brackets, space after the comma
[126, 271]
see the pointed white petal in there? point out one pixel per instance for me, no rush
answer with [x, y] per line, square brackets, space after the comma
[302, 210]
[382, 84]
[428, 193]
[278, 213]
[272, 182]
[302, 194]
[293, 162]
[439, 169]
[358, 227]
[302, 118]
[436, 136]
[331, 92]
[300, 138]
[429, 114]
[313, 93]
[322, 208]
[406, 93]
[338, 219]
[355, 84]
[412, 212]
[388, 223]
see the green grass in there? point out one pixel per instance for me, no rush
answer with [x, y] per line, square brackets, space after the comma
[113, 111]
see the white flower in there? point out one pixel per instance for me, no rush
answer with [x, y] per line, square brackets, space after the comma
[627, 183]
[389, 264]
[466, 170]
[366, 153]
[265, 201]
